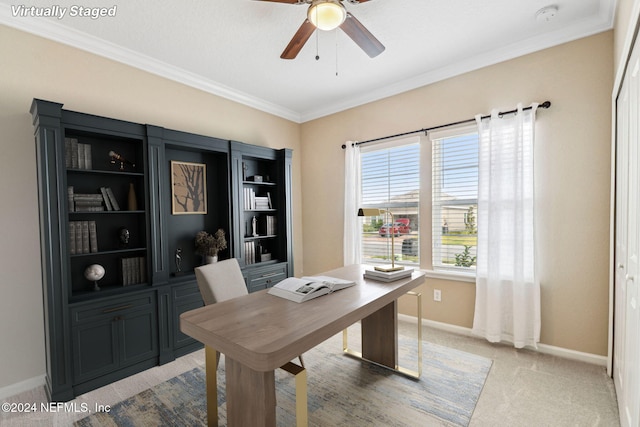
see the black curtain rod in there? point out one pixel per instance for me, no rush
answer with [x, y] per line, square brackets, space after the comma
[545, 104]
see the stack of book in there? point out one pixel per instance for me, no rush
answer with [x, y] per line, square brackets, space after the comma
[92, 202]
[249, 199]
[250, 252]
[83, 237]
[383, 276]
[77, 156]
[256, 203]
[88, 203]
[133, 270]
[261, 203]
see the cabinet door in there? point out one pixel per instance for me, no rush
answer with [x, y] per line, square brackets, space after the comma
[185, 297]
[95, 349]
[113, 333]
[138, 337]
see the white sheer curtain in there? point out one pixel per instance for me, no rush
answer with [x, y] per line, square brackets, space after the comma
[507, 290]
[352, 187]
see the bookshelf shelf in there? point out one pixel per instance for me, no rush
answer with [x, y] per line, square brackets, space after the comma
[264, 184]
[104, 172]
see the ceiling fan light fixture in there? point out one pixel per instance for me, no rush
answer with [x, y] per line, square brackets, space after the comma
[327, 15]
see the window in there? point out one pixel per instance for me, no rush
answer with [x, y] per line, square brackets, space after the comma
[390, 176]
[455, 198]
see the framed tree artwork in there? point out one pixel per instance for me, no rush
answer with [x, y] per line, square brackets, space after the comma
[188, 188]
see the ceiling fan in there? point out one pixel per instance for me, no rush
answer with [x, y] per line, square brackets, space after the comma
[327, 15]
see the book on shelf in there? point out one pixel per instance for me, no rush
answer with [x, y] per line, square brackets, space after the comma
[105, 198]
[72, 238]
[308, 287]
[85, 237]
[383, 276]
[112, 199]
[81, 158]
[78, 227]
[93, 237]
[70, 204]
[88, 207]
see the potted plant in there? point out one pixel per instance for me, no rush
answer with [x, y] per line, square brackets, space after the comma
[208, 246]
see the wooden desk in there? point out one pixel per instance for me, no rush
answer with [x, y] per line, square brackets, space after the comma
[259, 332]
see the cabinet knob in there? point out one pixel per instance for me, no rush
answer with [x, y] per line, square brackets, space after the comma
[620, 266]
[629, 277]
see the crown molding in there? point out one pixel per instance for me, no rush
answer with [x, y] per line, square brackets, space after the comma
[585, 28]
[83, 41]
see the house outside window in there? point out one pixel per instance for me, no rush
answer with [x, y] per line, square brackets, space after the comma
[455, 199]
[390, 176]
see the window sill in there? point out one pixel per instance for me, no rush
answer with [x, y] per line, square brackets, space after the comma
[449, 275]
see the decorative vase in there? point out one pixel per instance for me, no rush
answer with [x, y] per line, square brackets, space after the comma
[211, 259]
[132, 202]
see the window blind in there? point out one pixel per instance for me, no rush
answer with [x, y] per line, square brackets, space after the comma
[455, 199]
[390, 176]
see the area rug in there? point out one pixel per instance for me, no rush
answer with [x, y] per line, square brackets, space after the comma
[342, 391]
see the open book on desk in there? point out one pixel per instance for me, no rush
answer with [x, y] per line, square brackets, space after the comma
[306, 288]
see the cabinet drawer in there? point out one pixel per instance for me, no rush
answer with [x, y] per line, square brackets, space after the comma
[266, 277]
[110, 308]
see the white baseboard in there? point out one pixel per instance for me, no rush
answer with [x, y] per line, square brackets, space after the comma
[542, 348]
[21, 387]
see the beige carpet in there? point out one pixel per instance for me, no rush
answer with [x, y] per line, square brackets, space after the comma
[341, 391]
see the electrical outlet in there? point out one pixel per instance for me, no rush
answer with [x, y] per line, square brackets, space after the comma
[437, 295]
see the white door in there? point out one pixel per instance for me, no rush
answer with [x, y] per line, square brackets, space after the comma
[621, 200]
[627, 312]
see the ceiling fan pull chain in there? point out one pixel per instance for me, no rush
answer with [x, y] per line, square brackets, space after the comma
[317, 52]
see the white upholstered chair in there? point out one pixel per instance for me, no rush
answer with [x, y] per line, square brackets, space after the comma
[219, 282]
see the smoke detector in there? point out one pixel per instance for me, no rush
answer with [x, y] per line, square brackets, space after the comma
[546, 14]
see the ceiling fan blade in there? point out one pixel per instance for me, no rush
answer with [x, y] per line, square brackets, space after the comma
[362, 36]
[298, 40]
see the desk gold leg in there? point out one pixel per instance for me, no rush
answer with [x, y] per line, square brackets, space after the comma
[300, 374]
[211, 363]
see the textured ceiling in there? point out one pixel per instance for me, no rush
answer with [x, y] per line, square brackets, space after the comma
[232, 47]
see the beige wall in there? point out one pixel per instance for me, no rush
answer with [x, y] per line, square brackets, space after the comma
[572, 167]
[33, 67]
[572, 178]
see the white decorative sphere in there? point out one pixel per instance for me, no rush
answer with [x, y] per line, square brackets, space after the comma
[94, 272]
